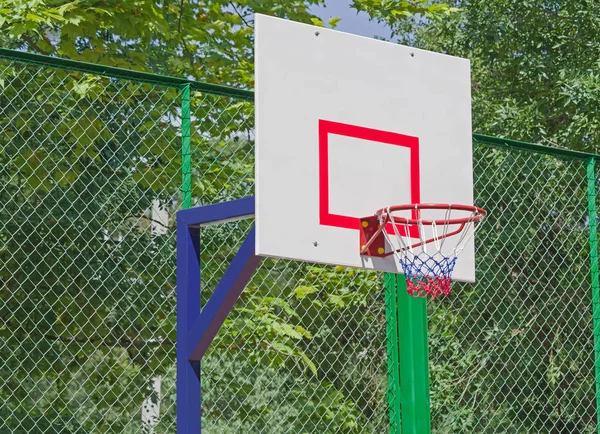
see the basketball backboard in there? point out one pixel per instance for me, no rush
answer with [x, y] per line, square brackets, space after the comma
[346, 125]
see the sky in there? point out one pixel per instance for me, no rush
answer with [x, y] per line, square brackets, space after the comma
[352, 22]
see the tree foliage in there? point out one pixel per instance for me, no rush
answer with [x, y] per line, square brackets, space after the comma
[514, 353]
[394, 13]
[87, 288]
[208, 40]
[534, 67]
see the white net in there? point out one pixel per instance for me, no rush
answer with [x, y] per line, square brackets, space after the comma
[428, 260]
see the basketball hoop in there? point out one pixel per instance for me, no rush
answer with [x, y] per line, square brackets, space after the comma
[425, 257]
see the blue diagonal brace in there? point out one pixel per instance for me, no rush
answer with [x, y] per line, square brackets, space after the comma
[225, 295]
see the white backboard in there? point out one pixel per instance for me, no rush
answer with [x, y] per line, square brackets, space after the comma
[346, 125]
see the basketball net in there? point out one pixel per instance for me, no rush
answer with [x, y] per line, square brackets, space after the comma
[427, 265]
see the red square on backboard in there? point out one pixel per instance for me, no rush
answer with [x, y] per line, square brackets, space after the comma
[329, 127]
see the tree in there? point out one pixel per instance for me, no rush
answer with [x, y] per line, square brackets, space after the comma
[395, 13]
[85, 286]
[208, 40]
[523, 333]
[533, 67]
[87, 313]
[87, 291]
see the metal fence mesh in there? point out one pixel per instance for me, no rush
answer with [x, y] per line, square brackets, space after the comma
[86, 289]
[514, 352]
[90, 179]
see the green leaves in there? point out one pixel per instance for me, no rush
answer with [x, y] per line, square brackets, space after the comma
[87, 313]
[210, 41]
[531, 66]
[395, 13]
[303, 291]
[86, 289]
[317, 21]
[333, 22]
[272, 325]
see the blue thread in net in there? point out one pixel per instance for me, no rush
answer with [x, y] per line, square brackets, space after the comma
[428, 275]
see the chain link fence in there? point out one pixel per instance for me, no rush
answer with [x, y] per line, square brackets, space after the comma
[515, 352]
[92, 172]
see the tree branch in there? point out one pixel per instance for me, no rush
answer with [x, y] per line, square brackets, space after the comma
[166, 226]
[32, 45]
[124, 341]
[240, 15]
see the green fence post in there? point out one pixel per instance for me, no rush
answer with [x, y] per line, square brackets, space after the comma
[408, 359]
[414, 361]
[391, 318]
[186, 149]
[591, 184]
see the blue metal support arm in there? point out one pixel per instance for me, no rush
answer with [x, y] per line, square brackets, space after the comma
[196, 327]
[216, 213]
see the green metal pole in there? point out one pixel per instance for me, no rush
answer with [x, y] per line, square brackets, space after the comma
[591, 183]
[414, 361]
[186, 149]
[391, 319]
